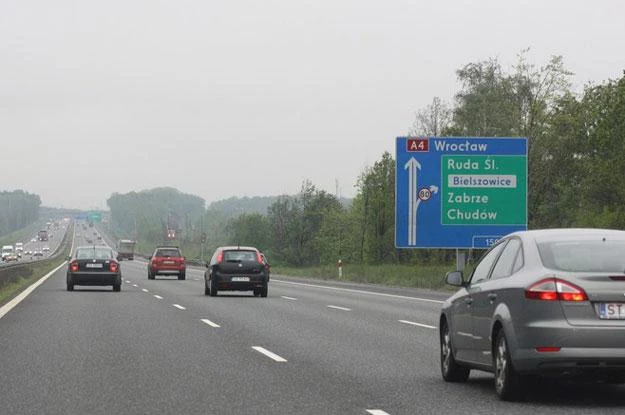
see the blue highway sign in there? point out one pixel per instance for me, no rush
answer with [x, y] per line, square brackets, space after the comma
[460, 192]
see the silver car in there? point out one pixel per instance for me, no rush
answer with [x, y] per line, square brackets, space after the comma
[541, 302]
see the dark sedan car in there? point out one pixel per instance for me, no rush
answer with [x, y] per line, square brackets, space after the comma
[93, 265]
[542, 302]
[236, 268]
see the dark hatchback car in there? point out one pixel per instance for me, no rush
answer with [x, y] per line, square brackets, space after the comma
[541, 302]
[93, 265]
[236, 268]
[167, 260]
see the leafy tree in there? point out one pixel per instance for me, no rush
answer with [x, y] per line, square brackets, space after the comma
[432, 120]
[600, 150]
[249, 229]
[375, 204]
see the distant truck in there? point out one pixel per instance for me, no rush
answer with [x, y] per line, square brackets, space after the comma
[7, 252]
[42, 235]
[125, 249]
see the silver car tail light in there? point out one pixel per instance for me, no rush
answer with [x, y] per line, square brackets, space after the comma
[555, 289]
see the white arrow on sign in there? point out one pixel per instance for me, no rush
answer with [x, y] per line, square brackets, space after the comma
[412, 165]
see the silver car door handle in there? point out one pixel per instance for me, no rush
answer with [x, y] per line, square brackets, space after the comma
[468, 301]
[492, 296]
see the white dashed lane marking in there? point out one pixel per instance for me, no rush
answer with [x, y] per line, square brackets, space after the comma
[158, 296]
[412, 323]
[428, 300]
[377, 412]
[210, 323]
[179, 307]
[289, 298]
[269, 354]
[144, 290]
[339, 308]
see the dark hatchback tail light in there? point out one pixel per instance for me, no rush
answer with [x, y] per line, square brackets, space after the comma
[113, 266]
[259, 258]
[73, 267]
[220, 257]
[554, 289]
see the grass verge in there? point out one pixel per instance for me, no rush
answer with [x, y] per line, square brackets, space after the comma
[416, 276]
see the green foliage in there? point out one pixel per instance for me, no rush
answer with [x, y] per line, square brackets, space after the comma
[249, 229]
[146, 215]
[298, 224]
[17, 210]
[375, 206]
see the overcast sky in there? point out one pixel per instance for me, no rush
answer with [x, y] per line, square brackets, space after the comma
[250, 98]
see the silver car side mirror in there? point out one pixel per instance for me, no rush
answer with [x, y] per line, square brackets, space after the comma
[454, 278]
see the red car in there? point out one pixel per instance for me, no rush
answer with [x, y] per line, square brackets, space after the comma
[167, 260]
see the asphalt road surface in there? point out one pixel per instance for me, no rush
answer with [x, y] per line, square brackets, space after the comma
[161, 346]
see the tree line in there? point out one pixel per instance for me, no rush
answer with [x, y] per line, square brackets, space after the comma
[148, 215]
[18, 209]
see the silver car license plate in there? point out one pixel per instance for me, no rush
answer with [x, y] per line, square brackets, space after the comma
[240, 279]
[96, 265]
[611, 311]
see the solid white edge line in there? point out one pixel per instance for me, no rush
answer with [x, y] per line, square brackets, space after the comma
[377, 412]
[11, 304]
[404, 297]
[412, 323]
[210, 323]
[178, 306]
[158, 296]
[289, 298]
[339, 308]
[269, 354]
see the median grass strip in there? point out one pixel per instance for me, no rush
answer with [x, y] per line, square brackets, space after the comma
[414, 276]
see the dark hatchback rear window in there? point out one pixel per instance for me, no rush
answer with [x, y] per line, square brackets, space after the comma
[584, 256]
[168, 252]
[237, 256]
[94, 253]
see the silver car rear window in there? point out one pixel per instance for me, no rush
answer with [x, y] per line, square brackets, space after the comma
[583, 256]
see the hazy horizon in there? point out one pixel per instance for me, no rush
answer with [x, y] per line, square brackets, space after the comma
[250, 99]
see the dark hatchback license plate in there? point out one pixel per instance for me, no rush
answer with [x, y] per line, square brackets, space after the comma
[611, 311]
